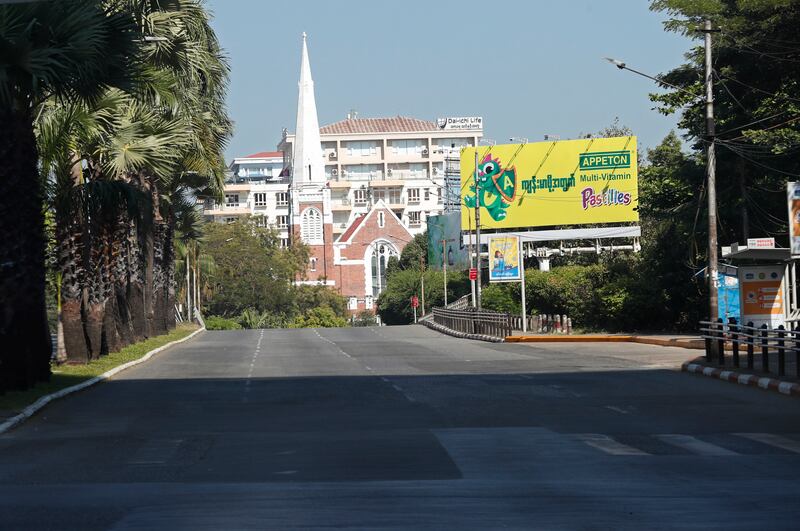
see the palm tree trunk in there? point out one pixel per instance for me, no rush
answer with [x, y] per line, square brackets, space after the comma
[73, 276]
[24, 334]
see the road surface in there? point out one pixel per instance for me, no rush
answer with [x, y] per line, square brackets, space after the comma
[404, 428]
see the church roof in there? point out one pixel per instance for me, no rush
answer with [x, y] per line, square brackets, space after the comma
[397, 124]
[352, 228]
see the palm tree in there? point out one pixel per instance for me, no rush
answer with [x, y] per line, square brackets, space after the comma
[69, 50]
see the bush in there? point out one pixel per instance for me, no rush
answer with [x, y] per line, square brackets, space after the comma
[394, 303]
[322, 317]
[215, 322]
[365, 318]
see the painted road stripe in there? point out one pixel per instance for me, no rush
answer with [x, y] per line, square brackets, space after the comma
[773, 440]
[608, 445]
[694, 445]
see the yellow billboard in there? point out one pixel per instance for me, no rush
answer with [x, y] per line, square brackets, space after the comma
[567, 182]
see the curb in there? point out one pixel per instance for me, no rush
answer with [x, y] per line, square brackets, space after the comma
[46, 399]
[462, 335]
[694, 344]
[766, 383]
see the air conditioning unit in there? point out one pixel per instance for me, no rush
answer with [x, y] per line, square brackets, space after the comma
[435, 170]
[334, 171]
[389, 172]
[425, 152]
[332, 155]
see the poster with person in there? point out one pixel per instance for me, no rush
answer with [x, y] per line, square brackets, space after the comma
[505, 262]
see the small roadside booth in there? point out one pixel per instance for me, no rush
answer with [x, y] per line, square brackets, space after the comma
[767, 283]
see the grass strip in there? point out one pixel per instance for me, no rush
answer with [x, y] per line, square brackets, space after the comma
[67, 375]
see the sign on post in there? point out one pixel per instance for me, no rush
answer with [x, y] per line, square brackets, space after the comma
[760, 243]
[414, 301]
[473, 273]
[504, 259]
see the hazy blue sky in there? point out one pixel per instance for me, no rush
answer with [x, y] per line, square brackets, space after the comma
[528, 67]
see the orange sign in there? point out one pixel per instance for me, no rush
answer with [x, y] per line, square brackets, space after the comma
[762, 298]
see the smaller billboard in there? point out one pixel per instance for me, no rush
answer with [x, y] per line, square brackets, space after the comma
[446, 227]
[761, 290]
[505, 260]
[793, 196]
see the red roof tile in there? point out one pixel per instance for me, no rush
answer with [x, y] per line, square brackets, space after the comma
[265, 155]
[398, 124]
[352, 228]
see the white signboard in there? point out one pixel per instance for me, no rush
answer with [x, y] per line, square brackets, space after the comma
[760, 243]
[460, 123]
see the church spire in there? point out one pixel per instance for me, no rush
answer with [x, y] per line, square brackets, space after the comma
[307, 163]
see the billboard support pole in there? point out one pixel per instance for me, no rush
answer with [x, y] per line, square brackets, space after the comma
[444, 269]
[477, 234]
[422, 284]
[522, 289]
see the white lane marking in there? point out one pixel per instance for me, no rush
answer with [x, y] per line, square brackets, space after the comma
[156, 452]
[694, 445]
[286, 472]
[771, 439]
[617, 409]
[608, 445]
[248, 381]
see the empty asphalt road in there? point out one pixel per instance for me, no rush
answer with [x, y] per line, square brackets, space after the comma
[403, 428]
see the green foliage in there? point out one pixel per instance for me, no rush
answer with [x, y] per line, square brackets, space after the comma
[251, 270]
[322, 317]
[310, 297]
[215, 322]
[501, 297]
[415, 253]
[365, 318]
[394, 303]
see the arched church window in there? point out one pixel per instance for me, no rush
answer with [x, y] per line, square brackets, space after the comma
[311, 226]
[381, 252]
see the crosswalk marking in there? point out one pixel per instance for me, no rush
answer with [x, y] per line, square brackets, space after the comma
[694, 445]
[773, 440]
[608, 445]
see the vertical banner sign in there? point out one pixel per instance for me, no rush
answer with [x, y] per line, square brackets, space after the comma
[793, 195]
[446, 227]
[505, 261]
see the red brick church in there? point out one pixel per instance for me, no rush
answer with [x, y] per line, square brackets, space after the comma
[355, 263]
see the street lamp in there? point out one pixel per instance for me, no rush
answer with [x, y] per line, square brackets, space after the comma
[711, 271]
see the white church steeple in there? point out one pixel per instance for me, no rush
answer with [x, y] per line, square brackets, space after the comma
[308, 166]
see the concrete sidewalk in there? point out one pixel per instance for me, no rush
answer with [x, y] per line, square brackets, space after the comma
[683, 341]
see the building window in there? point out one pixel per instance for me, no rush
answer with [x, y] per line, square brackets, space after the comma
[362, 149]
[284, 243]
[261, 221]
[313, 263]
[413, 195]
[381, 219]
[440, 195]
[230, 219]
[427, 194]
[418, 171]
[368, 302]
[282, 199]
[453, 143]
[352, 303]
[408, 147]
[282, 221]
[260, 199]
[381, 252]
[360, 196]
[413, 219]
[231, 200]
[311, 226]
[362, 172]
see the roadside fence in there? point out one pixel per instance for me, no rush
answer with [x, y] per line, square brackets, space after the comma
[772, 346]
[499, 324]
[544, 324]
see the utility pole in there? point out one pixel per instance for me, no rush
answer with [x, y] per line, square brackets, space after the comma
[422, 284]
[477, 233]
[444, 269]
[713, 280]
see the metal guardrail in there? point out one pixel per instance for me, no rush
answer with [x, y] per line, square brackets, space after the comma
[493, 324]
[778, 342]
[543, 324]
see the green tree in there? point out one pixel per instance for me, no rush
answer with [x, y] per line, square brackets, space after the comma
[71, 50]
[252, 270]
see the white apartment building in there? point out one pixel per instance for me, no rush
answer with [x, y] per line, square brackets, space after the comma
[398, 160]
